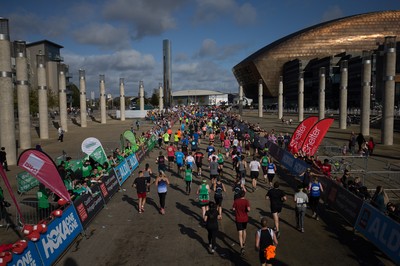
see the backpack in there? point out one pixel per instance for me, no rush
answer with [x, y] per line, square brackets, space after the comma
[270, 250]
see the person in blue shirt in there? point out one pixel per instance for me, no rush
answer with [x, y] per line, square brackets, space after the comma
[179, 159]
[194, 145]
[210, 149]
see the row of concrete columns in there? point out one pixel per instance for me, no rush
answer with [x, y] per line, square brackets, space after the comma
[388, 94]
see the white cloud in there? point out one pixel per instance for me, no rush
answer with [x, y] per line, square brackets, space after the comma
[103, 35]
[208, 48]
[147, 17]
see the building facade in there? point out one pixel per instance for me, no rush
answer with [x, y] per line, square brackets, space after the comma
[322, 45]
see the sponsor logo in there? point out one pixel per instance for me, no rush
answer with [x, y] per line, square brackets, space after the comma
[56, 237]
[298, 135]
[312, 137]
[33, 164]
[90, 144]
[26, 260]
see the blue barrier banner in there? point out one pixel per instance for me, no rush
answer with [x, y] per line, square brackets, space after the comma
[132, 162]
[122, 171]
[30, 257]
[88, 206]
[61, 232]
[381, 230]
[287, 160]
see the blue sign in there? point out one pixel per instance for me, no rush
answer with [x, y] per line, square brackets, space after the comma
[132, 161]
[30, 257]
[122, 171]
[60, 234]
[381, 230]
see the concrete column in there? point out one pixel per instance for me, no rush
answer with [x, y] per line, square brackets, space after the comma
[122, 98]
[366, 94]
[141, 95]
[241, 99]
[7, 121]
[280, 98]
[343, 95]
[321, 101]
[389, 91]
[260, 98]
[161, 97]
[42, 95]
[82, 97]
[301, 97]
[24, 120]
[103, 100]
[62, 96]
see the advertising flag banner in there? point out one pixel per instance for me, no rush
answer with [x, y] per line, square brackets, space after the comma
[41, 166]
[8, 185]
[131, 138]
[316, 135]
[300, 134]
[92, 147]
[61, 232]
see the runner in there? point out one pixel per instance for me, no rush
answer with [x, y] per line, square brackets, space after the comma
[254, 172]
[264, 166]
[188, 179]
[162, 183]
[219, 188]
[171, 154]
[161, 161]
[276, 197]
[140, 183]
[213, 165]
[271, 170]
[241, 168]
[204, 196]
[179, 160]
[241, 206]
[198, 156]
[315, 189]
[301, 200]
[147, 172]
[210, 218]
[265, 237]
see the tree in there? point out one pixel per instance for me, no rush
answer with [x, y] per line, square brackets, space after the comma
[75, 95]
[154, 100]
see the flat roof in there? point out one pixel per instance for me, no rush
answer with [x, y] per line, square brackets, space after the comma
[195, 92]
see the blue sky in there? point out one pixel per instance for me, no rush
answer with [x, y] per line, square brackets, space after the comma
[123, 38]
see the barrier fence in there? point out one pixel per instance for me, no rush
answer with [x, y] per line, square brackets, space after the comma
[62, 231]
[381, 230]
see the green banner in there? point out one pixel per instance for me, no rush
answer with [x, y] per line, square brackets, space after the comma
[98, 155]
[131, 138]
[26, 182]
[152, 142]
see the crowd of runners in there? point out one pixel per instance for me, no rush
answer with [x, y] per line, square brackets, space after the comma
[209, 144]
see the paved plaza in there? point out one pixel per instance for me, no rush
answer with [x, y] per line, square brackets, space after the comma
[119, 235]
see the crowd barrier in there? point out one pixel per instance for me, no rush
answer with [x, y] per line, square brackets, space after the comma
[374, 225]
[62, 231]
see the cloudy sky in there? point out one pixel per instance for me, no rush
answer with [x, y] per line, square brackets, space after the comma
[123, 38]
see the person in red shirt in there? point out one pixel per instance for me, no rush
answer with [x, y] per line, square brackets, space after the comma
[169, 131]
[222, 137]
[241, 206]
[198, 158]
[326, 168]
[171, 154]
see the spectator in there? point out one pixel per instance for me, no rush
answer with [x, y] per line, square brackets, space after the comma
[60, 134]
[379, 199]
[370, 146]
[393, 211]
[360, 140]
[3, 158]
